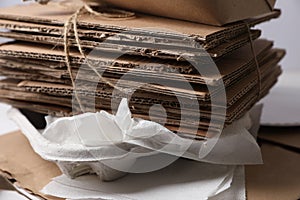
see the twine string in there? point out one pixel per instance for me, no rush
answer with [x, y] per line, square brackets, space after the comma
[259, 76]
[67, 27]
[269, 5]
[73, 21]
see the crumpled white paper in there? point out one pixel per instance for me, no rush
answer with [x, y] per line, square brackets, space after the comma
[184, 179]
[112, 144]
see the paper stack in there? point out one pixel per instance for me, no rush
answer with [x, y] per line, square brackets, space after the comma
[195, 80]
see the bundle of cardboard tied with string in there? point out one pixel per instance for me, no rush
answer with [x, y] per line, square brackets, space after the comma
[105, 88]
[193, 78]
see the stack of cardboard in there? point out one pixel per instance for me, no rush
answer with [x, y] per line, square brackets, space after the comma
[38, 78]
[205, 68]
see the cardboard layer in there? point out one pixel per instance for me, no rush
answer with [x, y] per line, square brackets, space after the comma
[234, 91]
[112, 37]
[231, 94]
[242, 83]
[87, 80]
[23, 164]
[32, 30]
[243, 90]
[230, 66]
[278, 178]
[57, 15]
[165, 51]
[233, 113]
[202, 11]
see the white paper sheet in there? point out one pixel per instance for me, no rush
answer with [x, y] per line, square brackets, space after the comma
[184, 179]
[61, 142]
[111, 146]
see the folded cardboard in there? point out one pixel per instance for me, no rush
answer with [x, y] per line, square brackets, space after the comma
[32, 100]
[202, 11]
[167, 32]
[232, 94]
[50, 20]
[231, 66]
[241, 95]
[138, 49]
[47, 85]
[234, 91]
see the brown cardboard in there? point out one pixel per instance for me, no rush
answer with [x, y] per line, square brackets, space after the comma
[234, 91]
[213, 38]
[201, 11]
[219, 41]
[56, 100]
[201, 93]
[12, 72]
[57, 15]
[278, 178]
[231, 66]
[238, 91]
[138, 50]
[241, 96]
[5, 184]
[232, 113]
[29, 169]
[283, 136]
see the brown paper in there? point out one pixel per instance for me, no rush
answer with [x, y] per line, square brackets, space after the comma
[278, 178]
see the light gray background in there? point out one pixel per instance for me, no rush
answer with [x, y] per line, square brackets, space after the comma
[284, 31]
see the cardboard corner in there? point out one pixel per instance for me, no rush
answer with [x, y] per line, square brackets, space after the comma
[22, 169]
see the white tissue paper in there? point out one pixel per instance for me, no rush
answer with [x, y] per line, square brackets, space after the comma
[111, 145]
[184, 179]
